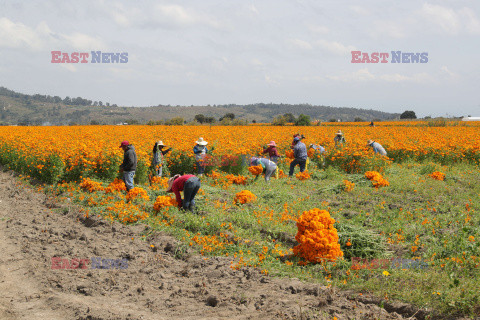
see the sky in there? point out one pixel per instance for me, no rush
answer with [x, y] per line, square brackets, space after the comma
[244, 52]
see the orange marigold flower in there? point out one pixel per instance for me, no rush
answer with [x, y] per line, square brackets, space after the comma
[136, 193]
[244, 196]
[348, 185]
[256, 170]
[303, 175]
[164, 201]
[376, 179]
[437, 175]
[317, 237]
[90, 185]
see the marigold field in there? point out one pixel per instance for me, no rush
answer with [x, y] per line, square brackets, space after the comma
[419, 204]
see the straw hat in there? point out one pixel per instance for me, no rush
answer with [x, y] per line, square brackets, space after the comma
[170, 182]
[201, 142]
[160, 143]
[272, 144]
[339, 133]
[369, 142]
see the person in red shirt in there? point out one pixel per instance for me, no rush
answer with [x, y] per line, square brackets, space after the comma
[189, 184]
[272, 151]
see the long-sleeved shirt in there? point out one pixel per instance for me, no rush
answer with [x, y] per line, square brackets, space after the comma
[265, 163]
[272, 151]
[129, 159]
[199, 151]
[300, 151]
[178, 186]
[377, 148]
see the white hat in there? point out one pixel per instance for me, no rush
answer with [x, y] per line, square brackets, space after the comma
[160, 143]
[201, 142]
[170, 182]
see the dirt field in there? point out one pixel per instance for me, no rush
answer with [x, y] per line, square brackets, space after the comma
[148, 283]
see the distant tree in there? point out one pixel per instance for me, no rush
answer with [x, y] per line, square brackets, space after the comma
[107, 104]
[200, 118]
[408, 115]
[177, 121]
[254, 121]
[100, 103]
[332, 120]
[210, 120]
[132, 121]
[357, 119]
[290, 118]
[95, 103]
[230, 116]
[279, 121]
[303, 120]
[94, 123]
[67, 100]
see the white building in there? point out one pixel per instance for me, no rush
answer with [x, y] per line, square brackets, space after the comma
[471, 119]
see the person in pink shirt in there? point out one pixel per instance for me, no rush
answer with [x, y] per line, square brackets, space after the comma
[187, 183]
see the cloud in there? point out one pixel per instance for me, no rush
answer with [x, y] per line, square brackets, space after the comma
[360, 75]
[18, 35]
[300, 44]
[318, 29]
[335, 47]
[359, 10]
[444, 70]
[421, 78]
[445, 18]
[450, 21]
[363, 75]
[160, 16]
[253, 9]
[81, 41]
[68, 66]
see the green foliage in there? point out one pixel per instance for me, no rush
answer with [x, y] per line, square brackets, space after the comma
[177, 121]
[141, 173]
[303, 120]
[180, 163]
[279, 121]
[364, 242]
[408, 115]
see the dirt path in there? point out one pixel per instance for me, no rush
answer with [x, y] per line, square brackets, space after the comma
[161, 283]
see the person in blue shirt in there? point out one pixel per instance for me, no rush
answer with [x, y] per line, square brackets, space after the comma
[300, 156]
[377, 147]
[200, 150]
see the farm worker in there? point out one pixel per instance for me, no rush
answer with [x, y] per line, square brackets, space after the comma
[377, 147]
[269, 167]
[297, 135]
[157, 159]
[273, 154]
[372, 124]
[272, 151]
[300, 156]
[200, 150]
[339, 139]
[129, 164]
[189, 184]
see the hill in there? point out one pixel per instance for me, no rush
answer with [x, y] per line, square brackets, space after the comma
[23, 109]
